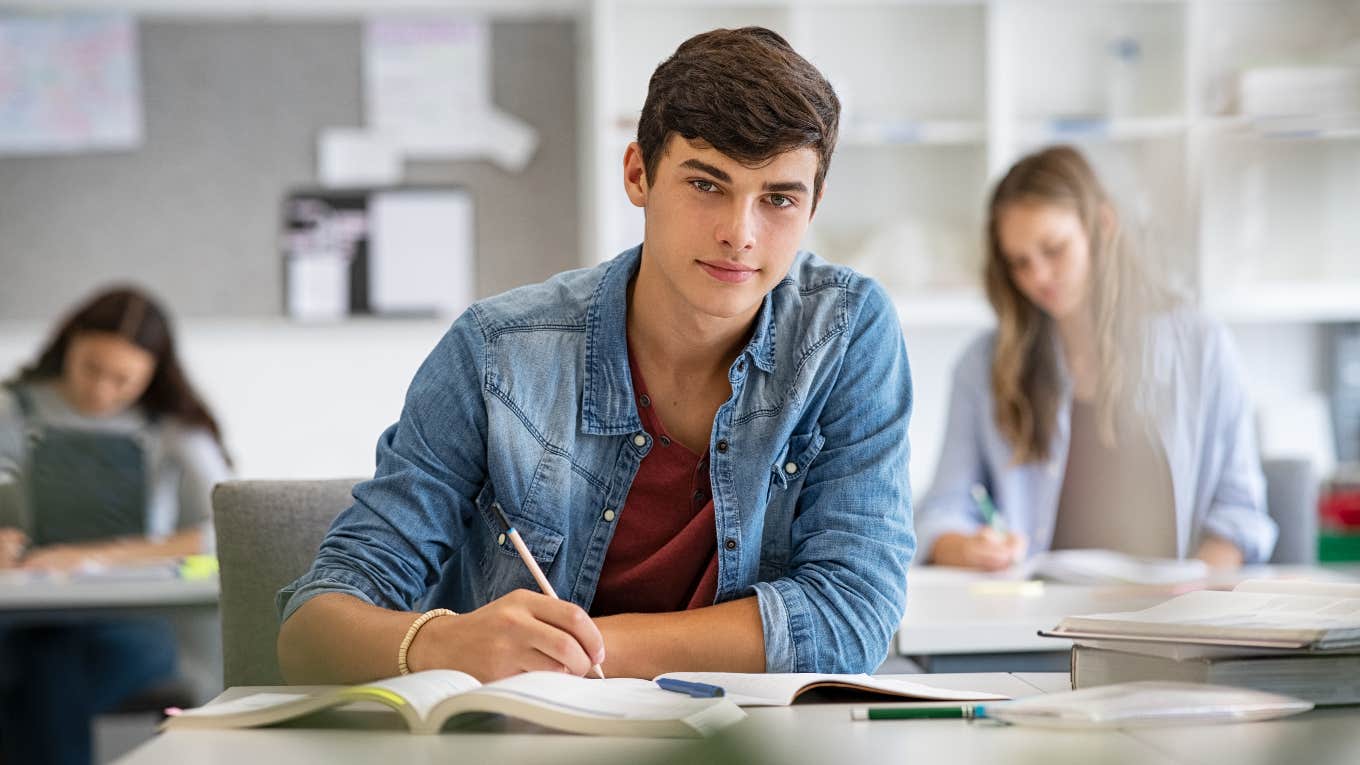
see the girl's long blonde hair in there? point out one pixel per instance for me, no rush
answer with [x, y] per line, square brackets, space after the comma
[1026, 379]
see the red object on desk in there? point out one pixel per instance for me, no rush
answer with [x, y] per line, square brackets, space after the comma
[1340, 509]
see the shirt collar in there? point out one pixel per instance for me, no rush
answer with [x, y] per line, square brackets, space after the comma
[607, 406]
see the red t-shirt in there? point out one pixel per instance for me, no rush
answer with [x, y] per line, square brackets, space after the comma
[664, 554]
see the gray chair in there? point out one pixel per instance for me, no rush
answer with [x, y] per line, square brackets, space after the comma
[268, 533]
[1291, 500]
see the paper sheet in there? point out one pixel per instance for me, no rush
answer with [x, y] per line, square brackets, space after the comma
[69, 83]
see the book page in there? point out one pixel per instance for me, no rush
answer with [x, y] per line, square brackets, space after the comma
[780, 689]
[421, 691]
[253, 703]
[1110, 567]
[620, 697]
[1300, 587]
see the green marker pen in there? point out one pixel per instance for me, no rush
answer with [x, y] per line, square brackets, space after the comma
[989, 511]
[965, 712]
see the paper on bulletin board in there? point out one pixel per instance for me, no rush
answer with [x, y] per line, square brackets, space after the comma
[69, 84]
[427, 87]
[420, 251]
[353, 157]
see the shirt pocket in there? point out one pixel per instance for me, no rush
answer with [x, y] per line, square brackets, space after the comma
[502, 569]
[791, 466]
[787, 474]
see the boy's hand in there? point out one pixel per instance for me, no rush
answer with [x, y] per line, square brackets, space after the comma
[522, 631]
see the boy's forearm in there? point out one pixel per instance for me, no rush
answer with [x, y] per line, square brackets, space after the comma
[337, 638]
[728, 637]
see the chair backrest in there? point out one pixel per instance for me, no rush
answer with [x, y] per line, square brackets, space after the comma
[1291, 500]
[268, 533]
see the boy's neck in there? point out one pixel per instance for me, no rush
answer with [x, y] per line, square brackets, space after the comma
[670, 334]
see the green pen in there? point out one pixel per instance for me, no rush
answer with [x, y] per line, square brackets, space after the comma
[965, 712]
[989, 511]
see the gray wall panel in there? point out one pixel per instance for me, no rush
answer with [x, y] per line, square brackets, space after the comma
[232, 112]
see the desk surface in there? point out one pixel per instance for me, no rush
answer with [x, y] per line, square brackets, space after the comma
[955, 611]
[803, 733]
[25, 593]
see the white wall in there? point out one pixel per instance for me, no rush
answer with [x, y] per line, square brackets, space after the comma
[294, 401]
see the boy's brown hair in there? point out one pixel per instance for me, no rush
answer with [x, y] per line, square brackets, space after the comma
[744, 92]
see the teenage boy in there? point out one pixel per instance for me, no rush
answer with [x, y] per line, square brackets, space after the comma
[703, 442]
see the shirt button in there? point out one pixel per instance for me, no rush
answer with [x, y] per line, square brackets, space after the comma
[699, 496]
[639, 440]
[741, 365]
[645, 400]
[500, 540]
[665, 441]
[730, 544]
[790, 468]
[722, 445]
[608, 515]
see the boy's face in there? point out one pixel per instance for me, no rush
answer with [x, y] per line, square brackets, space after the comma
[720, 234]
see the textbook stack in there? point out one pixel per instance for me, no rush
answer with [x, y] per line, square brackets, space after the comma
[1296, 638]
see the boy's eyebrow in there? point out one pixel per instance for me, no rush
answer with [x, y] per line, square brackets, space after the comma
[707, 168]
[782, 186]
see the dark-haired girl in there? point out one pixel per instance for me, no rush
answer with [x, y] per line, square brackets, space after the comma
[107, 458]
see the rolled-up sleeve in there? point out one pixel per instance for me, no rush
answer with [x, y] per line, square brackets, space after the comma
[389, 547]
[1237, 510]
[845, 593]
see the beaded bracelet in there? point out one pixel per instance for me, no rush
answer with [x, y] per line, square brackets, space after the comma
[411, 635]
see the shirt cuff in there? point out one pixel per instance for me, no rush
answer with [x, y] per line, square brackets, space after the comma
[780, 609]
[1252, 531]
[320, 582]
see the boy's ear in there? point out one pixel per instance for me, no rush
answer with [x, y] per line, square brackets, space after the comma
[635, 175]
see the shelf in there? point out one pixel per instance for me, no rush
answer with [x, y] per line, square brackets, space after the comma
[1288, 302]
[960, 307]
[1286, 128]
[1058, 129]
[925, 133]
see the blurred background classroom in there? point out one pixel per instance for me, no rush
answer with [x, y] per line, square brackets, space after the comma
[314, 188]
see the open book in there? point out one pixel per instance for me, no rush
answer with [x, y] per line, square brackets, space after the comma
[1109, 567]
[1284, 614]
[778, 690]
[426, 700]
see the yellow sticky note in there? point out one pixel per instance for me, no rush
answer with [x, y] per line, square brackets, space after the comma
[1032, 588]
[198, 567]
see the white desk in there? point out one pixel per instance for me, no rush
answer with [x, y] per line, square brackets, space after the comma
[32, 598]
[804, 733]
[961, 620]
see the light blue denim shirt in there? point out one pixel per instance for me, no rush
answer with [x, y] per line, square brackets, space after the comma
[1203, 421]
[527, 403]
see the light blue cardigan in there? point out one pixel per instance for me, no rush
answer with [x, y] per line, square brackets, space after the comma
[1203, 419]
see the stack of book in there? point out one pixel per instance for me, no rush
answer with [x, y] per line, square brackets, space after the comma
[1297, 638]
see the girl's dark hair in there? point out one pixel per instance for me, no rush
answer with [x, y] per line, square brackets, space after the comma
[136, 317]
[746, 93]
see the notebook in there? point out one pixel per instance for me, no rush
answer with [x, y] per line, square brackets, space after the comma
[426, 700]
[781, 689]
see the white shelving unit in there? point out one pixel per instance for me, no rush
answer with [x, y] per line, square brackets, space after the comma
[1258, 215]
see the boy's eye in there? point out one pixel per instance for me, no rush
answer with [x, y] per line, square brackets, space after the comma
[704, 186]
[779, 200]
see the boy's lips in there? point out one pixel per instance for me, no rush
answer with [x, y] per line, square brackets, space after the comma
[731, 273]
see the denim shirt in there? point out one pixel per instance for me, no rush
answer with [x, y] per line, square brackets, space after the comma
[1198, 404]
[527, 404]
